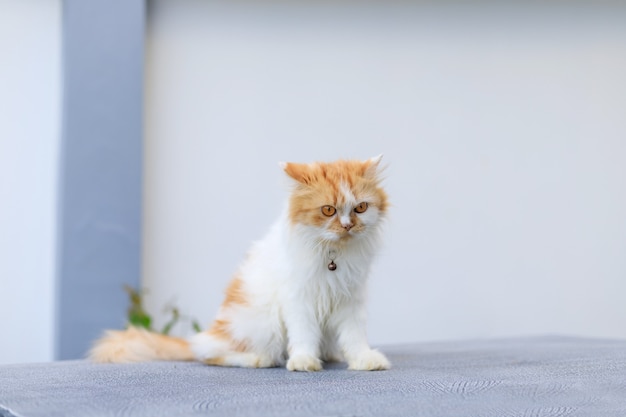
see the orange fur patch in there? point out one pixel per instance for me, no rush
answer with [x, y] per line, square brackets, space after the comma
[221, 328]
[139, 345]
[235, 293]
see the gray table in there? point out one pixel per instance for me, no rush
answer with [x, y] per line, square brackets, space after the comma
[534, 377]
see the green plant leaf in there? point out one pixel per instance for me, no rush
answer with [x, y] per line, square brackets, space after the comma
[140, 320]
[168, 326]
[136, 315]
[196, 326]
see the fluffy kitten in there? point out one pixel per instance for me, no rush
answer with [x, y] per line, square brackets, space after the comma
[299, 297]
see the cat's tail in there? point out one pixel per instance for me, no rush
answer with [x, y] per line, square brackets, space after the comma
[139, 345]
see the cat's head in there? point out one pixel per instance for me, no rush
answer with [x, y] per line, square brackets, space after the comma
[338, 201]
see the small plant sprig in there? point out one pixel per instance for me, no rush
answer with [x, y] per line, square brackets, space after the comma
[137, 315]
[176, 317]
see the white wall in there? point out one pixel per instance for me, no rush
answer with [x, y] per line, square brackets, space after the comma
[503, 128]
[29, 138]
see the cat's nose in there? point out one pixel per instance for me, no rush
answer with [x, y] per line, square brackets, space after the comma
[347, 226]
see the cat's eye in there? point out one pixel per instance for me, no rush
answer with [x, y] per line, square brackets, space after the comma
[361, 207]
[328, 211]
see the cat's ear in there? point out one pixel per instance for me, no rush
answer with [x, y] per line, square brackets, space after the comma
[372, 166]
[299, 172]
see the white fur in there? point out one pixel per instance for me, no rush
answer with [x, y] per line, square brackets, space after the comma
[298, 310]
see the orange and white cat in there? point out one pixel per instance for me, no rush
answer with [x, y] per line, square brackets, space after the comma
[299, 297]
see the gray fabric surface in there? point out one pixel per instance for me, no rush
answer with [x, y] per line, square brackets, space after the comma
[538, 377]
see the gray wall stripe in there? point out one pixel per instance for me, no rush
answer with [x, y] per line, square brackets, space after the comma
[101, 168]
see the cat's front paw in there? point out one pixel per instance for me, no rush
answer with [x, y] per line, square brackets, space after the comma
[369, 360]
[306, 363]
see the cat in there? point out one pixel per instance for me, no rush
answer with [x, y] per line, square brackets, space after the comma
[298, 299]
